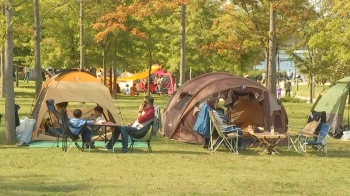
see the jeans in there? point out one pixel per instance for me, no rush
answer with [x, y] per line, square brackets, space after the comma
[124, 130]
[55, 131]
[26, 77]
[240, 133]
[85, 135]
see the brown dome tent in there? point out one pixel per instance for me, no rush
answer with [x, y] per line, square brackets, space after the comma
[263, 109]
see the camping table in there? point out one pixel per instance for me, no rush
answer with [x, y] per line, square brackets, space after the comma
[267, 140]
[105, 125]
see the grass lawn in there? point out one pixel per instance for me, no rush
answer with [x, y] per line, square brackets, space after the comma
[303, 90]
[172, 169]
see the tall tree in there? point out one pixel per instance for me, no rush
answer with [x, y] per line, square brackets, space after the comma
[2, 55]
[37, 40]
[310, 61]
[10, 126]
[81, 24]
[271, 75]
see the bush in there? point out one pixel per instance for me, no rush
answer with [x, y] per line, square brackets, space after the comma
[292, 99]
[255, 73]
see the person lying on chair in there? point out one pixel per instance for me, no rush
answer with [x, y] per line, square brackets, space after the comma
[144, 117]
[79, 126]
[221, 119]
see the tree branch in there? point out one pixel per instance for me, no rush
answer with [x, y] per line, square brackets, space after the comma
[57, 6]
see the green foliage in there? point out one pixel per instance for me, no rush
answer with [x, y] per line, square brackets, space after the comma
[291, 99]
[220, 36]
[255, 73]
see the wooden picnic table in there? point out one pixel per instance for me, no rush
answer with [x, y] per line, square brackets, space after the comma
[267, 140]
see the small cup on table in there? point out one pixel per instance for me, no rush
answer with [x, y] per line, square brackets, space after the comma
[250, 129]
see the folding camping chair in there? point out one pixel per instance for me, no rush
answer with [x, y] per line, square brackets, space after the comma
[223, 138]
[137, 135]
[320, 142]
[154, 126]
[63, 121]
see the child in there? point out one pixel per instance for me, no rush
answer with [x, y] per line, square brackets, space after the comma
[98, 111]
[78, 126]
[127, 89]
[279, 92]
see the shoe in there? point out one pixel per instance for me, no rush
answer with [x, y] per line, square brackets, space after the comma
[124, 151]
[241, 148]
[106, 149]
[21, 144]
[89, 145]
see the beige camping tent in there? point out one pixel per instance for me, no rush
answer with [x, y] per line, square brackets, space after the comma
[73, 85]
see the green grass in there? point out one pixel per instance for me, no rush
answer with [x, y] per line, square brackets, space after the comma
[303, 90]
[173, 168]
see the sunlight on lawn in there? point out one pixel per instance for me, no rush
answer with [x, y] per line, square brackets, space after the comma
[173, 168]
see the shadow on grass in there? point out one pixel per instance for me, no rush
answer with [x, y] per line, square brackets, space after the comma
[37, 185]
[24, 94]
[9, 147]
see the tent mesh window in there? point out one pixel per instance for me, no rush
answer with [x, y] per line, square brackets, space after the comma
[182, 102]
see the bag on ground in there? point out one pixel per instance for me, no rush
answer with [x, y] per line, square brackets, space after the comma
[25, 129]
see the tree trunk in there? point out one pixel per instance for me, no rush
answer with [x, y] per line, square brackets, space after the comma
[104, 59]
[271, 77]
[267, 65]
[115, 75]
[37, 38]
[2, 55]
[183, 46]
[149, 73]
[82, 49]
[10, 126]
[2, 63]
[311, 88]
[110, 80]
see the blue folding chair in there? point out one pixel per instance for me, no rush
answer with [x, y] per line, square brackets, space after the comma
[319, 141]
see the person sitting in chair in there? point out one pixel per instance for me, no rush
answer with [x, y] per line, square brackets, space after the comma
[54, 127]
[144, 117]
[133, 90]
[222, 121]
[98, 114]
[97, 117]
[79, 126]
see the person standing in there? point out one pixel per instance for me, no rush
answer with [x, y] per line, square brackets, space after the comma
[160, 84]
[279, 92]
[288, 87]
[289, 75]
[26, 74]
